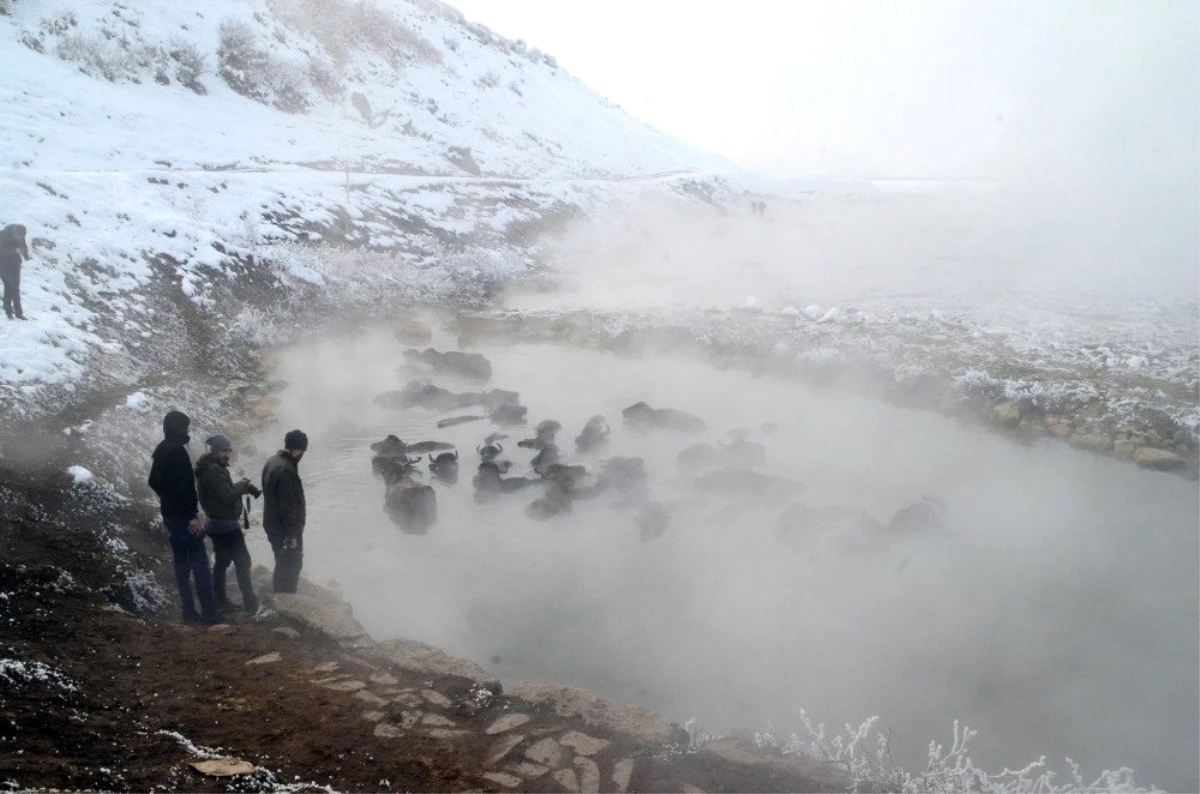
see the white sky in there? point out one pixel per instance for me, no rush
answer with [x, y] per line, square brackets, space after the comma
[890, 87]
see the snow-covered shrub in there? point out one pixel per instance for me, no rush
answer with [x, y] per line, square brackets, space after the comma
[342, 26]
[324, 78]
[871, 766]
[111, 59]
[241, 63]
[190, 64]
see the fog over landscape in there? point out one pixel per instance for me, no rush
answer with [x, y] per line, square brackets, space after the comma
[912, 292]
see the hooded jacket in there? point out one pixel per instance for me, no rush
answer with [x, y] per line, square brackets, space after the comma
[219, 495]
[283, 496]
[171, 470]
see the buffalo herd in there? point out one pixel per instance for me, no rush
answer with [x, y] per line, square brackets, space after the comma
[726, 469]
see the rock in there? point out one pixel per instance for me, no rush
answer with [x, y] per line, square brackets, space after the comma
[220, 628]
[328, 667]
[622, 772]
[567, 779]
[386, 730]
[436, 698]
[437, 721]
[408, 699]
[790, 772]
[287, 631]
[1160, 459]
[688, 788]
[345, 686]
[568, 701]
[548, 752]
[1124, 447]
[528, 770]
[1099, 442]
[222, 767]
[503, 779]
[267, 658]
[321, 610]
[383, 679]
[507, 723]
[373, 716]
[502, 748]
[370, 698]
[583, 744]
[1007, 413]
[1059, 427]
[329, 680]
[589, 775]
[447, 733]
[417, 657]
[410, 718]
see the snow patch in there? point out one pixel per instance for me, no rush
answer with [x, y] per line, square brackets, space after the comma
[79, 474]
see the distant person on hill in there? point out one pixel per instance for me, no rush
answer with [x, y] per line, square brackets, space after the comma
[13, 252]
[171, 478]
[221, 499]
[284, 510]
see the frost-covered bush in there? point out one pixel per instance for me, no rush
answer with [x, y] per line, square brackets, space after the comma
[190, 64]
[241, 62]
[871, 767]
[113, 60]
[341, 26]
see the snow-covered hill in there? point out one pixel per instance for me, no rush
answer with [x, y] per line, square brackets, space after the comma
[160, 150]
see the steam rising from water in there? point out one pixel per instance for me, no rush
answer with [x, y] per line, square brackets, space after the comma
[1066, 590]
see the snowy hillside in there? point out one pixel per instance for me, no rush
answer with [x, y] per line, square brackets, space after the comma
[162, 152]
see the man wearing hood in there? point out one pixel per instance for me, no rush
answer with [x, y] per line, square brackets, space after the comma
[171, 478]
[284, 510]
[221, 499]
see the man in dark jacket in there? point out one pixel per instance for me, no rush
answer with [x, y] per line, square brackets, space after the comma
[283, 510]
[221, 499]
[13, 252]
[171, 478]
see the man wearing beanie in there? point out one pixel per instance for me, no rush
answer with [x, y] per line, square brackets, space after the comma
[283, 510]
[221, 499]
[171, 478]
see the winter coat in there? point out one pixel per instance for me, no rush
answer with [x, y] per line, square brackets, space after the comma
[10, 260]
[220, 496]
[283, 496]
[171, 476]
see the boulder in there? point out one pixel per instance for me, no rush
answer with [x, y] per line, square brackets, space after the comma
[1007, 414]
[570, 702]
[1100, 442]
[1160, 459]
[417, 657]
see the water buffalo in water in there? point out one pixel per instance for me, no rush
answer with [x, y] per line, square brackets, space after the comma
[508, 414]
[666, 418]
[445, 467]
[391, 446]
[560, 486]
[594, 434]
[470, 365]
[919, 517]
[411, 505]
[543, 435]
[489, 482]
[652, 520]
[424, 394]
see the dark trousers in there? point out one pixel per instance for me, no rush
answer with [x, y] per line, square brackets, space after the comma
[12, 292]
[288, 563]
[191, 562]
[230, 547]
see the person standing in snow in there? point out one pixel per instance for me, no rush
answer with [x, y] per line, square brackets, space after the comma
[284, 510]
[171, 478]
[13, 252]
[221, 499]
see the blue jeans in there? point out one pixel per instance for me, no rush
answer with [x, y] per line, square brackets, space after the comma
[191, 562]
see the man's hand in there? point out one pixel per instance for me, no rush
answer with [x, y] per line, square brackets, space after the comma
[195, 527]
[244, 481]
